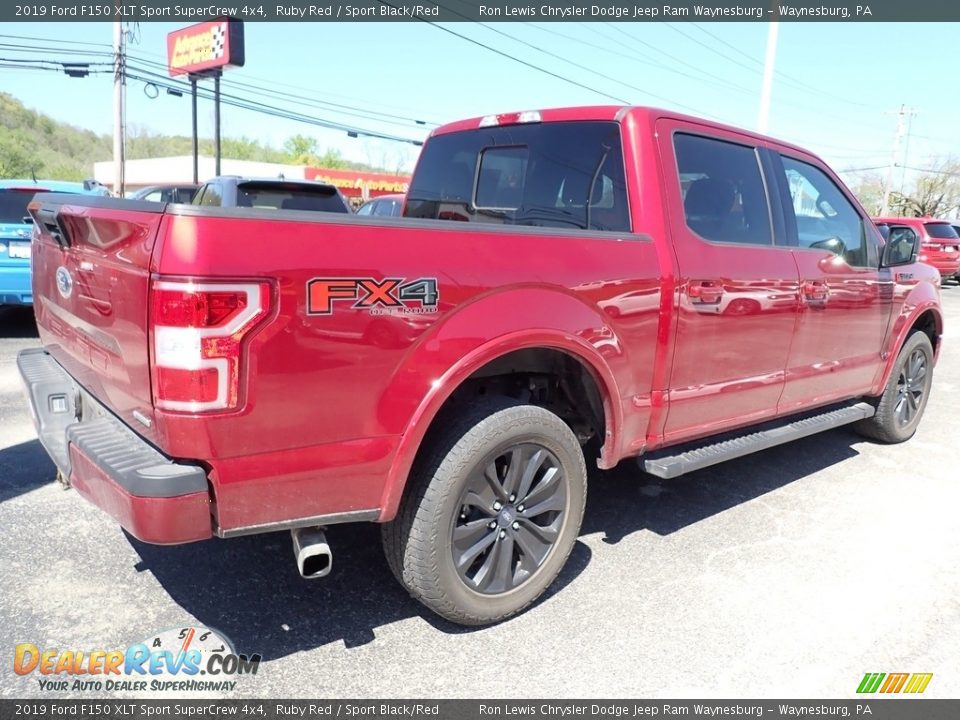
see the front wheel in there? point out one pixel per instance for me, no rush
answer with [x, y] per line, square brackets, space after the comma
[491, 514]
[905, 397]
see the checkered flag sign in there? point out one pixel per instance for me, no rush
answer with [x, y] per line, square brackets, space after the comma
[218, 39]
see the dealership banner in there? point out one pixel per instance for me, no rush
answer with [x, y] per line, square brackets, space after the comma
[486, 11]
[215, 709]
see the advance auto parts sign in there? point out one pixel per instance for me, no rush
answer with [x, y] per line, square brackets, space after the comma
[205, 46]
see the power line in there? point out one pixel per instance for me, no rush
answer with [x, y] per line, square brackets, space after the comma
[569, 62]
[305, 94]
[148, 76]
[337, 107]
[516, 59]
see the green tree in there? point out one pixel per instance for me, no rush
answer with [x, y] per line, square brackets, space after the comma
[16, 158]
[301, 150]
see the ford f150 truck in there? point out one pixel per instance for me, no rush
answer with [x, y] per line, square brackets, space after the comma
[620, 283]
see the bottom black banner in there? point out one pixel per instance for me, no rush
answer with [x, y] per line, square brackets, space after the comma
[912, 708]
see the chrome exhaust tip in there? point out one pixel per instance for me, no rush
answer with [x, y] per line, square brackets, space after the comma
[314, 558]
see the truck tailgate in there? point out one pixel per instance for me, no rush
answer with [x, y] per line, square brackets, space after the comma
[91, 276]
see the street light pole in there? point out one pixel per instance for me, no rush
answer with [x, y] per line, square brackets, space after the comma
[118, 109]
[763, 117]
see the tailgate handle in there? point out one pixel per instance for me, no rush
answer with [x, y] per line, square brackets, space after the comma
[49, 222]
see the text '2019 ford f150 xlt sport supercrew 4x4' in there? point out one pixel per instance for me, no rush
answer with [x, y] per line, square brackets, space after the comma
[630, 281]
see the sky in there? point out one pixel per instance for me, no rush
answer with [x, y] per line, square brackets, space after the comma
[837, 89]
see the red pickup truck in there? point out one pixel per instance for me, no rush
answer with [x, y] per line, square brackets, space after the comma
[615, 282]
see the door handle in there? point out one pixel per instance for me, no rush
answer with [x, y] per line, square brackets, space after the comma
[815, 290]
[704, 292]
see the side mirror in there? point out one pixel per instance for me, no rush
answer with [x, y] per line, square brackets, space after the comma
[900, 251]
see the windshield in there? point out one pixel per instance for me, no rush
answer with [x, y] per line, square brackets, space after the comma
[13, 205]
[564, 175]
[941, 231]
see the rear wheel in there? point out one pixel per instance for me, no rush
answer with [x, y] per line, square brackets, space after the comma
[905, 397]
[491, 514]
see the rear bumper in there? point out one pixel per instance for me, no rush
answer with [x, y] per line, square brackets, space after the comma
[946, 266]
[15, 286]
[154, 498]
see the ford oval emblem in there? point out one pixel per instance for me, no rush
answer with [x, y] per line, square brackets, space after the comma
[64, 282]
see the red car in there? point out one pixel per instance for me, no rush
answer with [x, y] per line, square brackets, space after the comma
[568, 286]
[939, 242]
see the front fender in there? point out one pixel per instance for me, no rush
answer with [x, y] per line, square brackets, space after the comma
[479, 332]
[921, 298]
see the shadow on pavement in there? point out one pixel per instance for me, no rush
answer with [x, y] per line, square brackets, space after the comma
[249, 588]
[23, 468]
[626, 500]
[17, 322]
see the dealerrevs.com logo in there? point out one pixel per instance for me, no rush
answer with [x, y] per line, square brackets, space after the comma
[179, 660]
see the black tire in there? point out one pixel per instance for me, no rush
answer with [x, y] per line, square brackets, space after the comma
[463, 468]
[905, 397]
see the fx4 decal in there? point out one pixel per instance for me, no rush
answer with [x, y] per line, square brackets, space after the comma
[378, 296]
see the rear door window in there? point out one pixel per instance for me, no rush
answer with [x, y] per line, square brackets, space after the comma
[724, 197]
[562, 175]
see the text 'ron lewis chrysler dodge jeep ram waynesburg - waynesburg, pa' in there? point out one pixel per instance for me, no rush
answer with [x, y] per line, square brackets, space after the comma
[601, 281]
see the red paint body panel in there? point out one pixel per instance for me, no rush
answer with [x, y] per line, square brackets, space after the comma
[99, 332]
[333, 408]
[164, 521]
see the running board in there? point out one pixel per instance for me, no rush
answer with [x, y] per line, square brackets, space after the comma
[671, 465]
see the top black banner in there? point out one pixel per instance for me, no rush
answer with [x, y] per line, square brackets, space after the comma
[191, 11]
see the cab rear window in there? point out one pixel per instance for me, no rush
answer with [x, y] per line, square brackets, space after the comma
[289, 197]
[563, 175]
[941, 231]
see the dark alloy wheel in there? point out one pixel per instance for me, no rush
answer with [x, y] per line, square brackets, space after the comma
[911, 387]
[491, 512]
[905, 396]
[511, 512]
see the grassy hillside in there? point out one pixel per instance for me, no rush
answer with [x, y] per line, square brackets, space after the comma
[32, 143]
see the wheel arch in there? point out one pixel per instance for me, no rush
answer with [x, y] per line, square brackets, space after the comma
[490, 355]
[925, 317]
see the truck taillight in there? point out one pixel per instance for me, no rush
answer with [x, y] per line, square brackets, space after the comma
[527, 116]
[198, 337]
[930, 246]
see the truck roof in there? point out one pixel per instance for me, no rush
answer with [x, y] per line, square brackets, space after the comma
[602, 113]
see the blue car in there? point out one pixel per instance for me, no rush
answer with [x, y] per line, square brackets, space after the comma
[16, 229]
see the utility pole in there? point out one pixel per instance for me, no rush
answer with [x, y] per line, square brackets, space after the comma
[118, 107]
[902, 116]
[763, 117]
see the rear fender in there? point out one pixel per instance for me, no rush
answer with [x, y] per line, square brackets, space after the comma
[480, 332]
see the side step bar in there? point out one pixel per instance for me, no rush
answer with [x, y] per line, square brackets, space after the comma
[670, 464]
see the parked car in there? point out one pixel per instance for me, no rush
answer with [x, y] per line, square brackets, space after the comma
[383, 206]
[166, 193]
[16, 226]
[215, 376]
[271, 194]
[939, 242]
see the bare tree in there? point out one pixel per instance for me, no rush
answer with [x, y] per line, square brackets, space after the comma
[936, 192]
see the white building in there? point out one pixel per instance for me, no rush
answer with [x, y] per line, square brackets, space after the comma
[179, 169]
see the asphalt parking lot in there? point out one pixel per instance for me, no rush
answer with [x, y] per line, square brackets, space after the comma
[790, 573]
